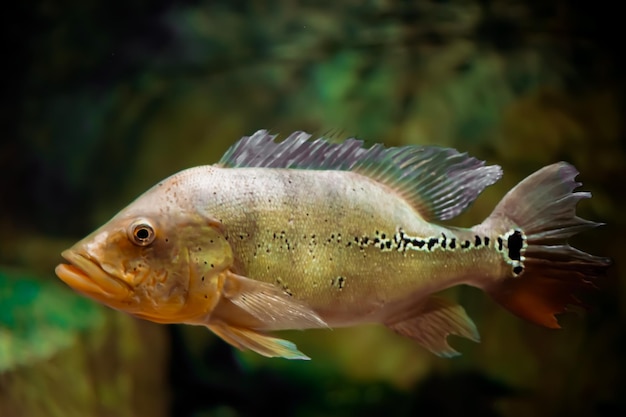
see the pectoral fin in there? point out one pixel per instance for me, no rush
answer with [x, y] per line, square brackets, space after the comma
[432, 322]
[270, 304]
[257, 342]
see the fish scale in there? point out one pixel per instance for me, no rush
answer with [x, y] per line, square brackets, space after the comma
[355, 211]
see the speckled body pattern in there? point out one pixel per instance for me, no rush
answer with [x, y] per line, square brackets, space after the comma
[302, 234]
[342, 243]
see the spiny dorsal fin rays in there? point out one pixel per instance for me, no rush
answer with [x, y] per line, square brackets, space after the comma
[439, 182]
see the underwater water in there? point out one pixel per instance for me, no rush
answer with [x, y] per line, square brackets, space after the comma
[104, 101]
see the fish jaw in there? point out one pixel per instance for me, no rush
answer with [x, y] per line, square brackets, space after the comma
[86, 276]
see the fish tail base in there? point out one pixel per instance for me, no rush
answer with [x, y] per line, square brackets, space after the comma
[548, 272]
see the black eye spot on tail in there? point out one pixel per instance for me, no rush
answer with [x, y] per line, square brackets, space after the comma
[512, 246]
[515, 242]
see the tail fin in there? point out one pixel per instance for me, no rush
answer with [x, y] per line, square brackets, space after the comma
[543, 207]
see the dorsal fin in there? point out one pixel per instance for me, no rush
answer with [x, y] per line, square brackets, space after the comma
[439, 182]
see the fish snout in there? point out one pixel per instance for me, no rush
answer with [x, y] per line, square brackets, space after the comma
[85, 275]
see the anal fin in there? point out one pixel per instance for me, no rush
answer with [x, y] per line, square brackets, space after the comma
[256, 341]
[432, 321]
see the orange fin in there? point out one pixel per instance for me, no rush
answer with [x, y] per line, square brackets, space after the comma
[258, 342]
[433, 322]
[538, 297]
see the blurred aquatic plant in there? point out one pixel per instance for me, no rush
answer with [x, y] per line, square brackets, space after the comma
[38, 319]
[62, 355]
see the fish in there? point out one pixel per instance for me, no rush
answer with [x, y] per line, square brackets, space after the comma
[303, 234]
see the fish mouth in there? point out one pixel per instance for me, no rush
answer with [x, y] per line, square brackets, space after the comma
[86, 276]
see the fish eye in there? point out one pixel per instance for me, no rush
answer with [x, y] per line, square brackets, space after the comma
[141, 232]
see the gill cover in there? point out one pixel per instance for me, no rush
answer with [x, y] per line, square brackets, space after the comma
[194, 269]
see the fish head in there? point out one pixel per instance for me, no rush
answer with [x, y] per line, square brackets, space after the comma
[163, 266]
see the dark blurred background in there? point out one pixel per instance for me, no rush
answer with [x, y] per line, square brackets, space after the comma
[103, 99]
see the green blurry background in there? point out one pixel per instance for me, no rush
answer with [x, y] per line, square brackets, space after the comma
[101, 100]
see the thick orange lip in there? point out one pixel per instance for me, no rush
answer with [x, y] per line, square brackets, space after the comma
[84, 275]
